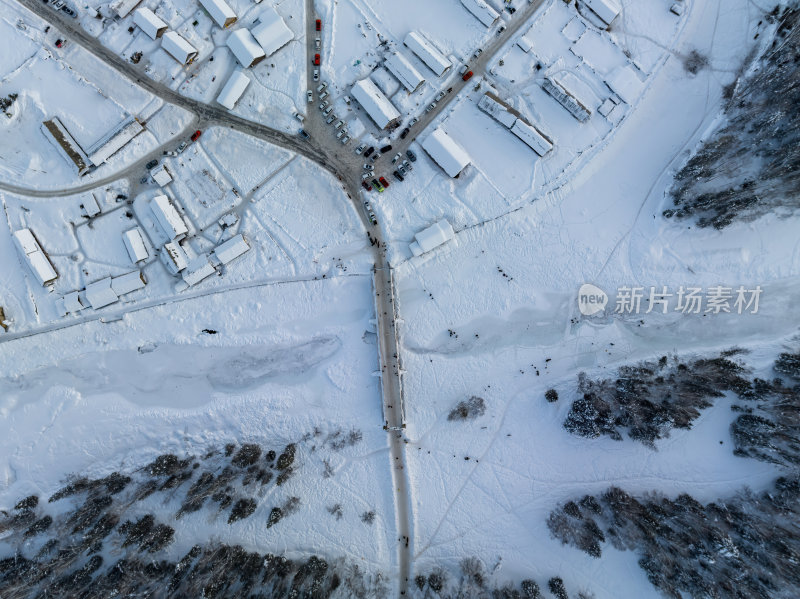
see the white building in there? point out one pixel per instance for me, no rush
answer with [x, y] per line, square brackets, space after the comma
[607, 10]
[529, 134]
[128, 282]
[32, 252]
[197, 270]
[122, 8]
[178, 48]
[376, 105]
[432, 237]
[91, 206]
[427, 53]
[168, 218]
[148, 22]
[231, 249]
[220, 12]
[233, 89]
[498, 110]
[405, 72]
[245, 48]
[271, 33]
[482, 11]
[446, 152]
[100, 293]
[161, 175]
[113, 141]
[524, 44]
[72, 303]
[174, 257]
[134, 243]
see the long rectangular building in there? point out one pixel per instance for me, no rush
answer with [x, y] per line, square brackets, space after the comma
[405, 72]
[529, 134]
[114, 141]
[168, 218]
[482, 11]
[34, 255]
[123, 7]
[57, 133]
[271, 33]
[219, 10]
[377, 105]
[427, 53]
[607, 10]
[178, 48]
[567, 100]
[149, 22]
[233, 89]
[446, 152]
[245, 48]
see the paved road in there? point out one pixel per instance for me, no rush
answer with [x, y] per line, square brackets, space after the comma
[324, 149]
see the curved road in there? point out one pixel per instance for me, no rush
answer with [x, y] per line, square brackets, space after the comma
[325, 150]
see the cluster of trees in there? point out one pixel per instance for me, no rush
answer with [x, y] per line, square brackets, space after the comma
[472, 581]
[745, 546]
[648, 399]
[468, 409]
[770, 430]
[60, 545]
[751, 165]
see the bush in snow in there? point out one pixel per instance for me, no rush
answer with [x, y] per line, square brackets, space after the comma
[468, 409]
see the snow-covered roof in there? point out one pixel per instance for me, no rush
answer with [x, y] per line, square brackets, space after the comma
[130, 281]
[231, 249]
[70, 149]
[177, 47]
[72, 302]
[168, 217]
[607, 10]
[161, 175]
[90, 205]
[123, 7]
[531, 136]
[38, 261]
[427, 53]
[524, 44]
[446, 152]
[174, 257]
[432, 237]
[372, 100]
[497, 109]
[100, 293]
[406, 73]
[148, 22]
[482, 11]
[134, 243]
[271, 32]
[245, 47]
[220, 12]
[625, 83]
[114, 140]
[233, 89]
[198, 269]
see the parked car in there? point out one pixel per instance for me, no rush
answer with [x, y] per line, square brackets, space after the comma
[360, 148]
[303, 133]
[369, 167]
[467, 76]
[369, 151]
[323, 95]
[463, 69]
[69, 11]
[366, 175]
[439, 96]
[511, 10]
[316, 60]
[345, 139]
[383, 181]
[59, 4]
[407, 166]
[366, 185]
[309, 96]
[413, 122]
[196, 135]
[396, 158]
[321, 86]
[318, 43]
[477, 53]
[328, 110]
[299, 116]
[398, 176]
[430, 107]
[330, 119]
[346, 99]
[341, 132]
[59, 43]
[182, 147]
[338, 124]
[404, 133]
[316, 75]
[151, 165]
[501, 29]
[377, 185]
[323, 105]
[385, 149]
[411, 156]
[401, 169]
[319, 25]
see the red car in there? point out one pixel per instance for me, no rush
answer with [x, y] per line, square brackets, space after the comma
[316, 60]
[366, 186]
[467, 76]
[319, 25]
[383, 181]
[196, 135]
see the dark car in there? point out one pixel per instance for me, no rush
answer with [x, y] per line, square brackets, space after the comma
[366, 186]
[69, 11]
[411, 156]
[196, 135]
[303, 133]
[369, 151]
[319, 25]
[511, 10]
[383, 181]
[151, 164]
[385, 149]
[404, 133]
[398, 176]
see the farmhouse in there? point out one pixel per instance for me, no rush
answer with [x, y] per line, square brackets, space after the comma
[376, 105]
[446, 152]
[427, 53]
